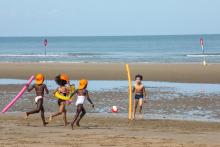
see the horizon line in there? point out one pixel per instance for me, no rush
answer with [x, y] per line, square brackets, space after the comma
[107, 35]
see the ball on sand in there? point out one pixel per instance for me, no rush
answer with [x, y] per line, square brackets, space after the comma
[114, 109]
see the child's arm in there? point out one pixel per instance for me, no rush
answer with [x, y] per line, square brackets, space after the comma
[145, 94]
[46, 89]
[133, 89]
[73, 93]
[30, 88]
[88, 98]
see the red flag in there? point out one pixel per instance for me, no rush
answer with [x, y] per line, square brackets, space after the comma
[45, 42]
[201, 42]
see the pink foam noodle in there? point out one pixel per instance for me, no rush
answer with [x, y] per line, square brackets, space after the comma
[18, 95]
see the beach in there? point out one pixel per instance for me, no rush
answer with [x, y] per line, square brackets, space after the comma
[107, 130]
[126, 73]
[185, 72]
[174, 116]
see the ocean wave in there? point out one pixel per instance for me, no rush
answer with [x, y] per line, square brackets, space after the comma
[29, 55]
[203, 55]
[48, 55]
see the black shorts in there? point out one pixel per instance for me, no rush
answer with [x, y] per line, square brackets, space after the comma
[139, 96]
[60, 101]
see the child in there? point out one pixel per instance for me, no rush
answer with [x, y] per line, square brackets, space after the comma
[140, 94]
[39, 89]
[82, 94]
[62, 80]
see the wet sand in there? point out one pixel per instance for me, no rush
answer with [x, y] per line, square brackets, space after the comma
[97, 131]
[162, 104]
[111, 130]
[192, 73]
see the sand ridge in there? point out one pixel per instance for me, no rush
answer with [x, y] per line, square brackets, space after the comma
[192, 73]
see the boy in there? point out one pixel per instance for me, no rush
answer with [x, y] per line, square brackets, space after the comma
[39, 89]
[140, 94]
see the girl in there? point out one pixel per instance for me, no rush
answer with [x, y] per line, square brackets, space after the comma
[82, 94]
[39, 89]
[140, 94]
[62, 80]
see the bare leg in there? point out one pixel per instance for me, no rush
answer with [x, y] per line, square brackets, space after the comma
[135, 107]
[64, 117]
[61, 107]
[81, 116]
[78, 111]
[37, 110]
[140, 109]
[42, 116]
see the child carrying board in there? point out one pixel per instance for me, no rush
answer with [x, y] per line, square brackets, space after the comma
[82, 94]
[40, 89]
[140, 94]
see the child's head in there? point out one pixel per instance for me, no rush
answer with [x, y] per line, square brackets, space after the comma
[138, 78]
[83, 84]
[62, 79]
[39, 79]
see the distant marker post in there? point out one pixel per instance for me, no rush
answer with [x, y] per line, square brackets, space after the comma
[45, 46]
[203, 51]
[202, 45]
[130, 117]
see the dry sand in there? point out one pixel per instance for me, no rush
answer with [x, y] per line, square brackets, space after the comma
[96, 131]
[153, 72]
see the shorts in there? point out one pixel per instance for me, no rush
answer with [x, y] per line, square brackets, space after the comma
[139, 96]
[80, 100]
[37, 98]
[60, 101]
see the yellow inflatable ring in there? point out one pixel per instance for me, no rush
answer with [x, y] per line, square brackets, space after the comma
[59, 96]
[65, 98]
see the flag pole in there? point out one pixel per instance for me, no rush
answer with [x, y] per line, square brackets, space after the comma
[45, 51]
[45, 46]
[203, 51]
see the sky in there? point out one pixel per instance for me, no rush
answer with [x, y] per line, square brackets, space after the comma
[108, 17]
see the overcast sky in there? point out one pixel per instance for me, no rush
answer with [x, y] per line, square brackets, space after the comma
[108, 17]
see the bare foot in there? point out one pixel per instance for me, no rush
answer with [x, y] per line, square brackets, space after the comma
[26, 116]
[77, 124]
[141, 116]
[134, 117]
[45, 124]
[66, 124]
[72, 126]
[50, 118]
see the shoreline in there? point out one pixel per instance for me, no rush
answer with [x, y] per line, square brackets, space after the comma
[170, 72]
[147, 117]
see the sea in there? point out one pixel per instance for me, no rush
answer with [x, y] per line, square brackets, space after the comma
[111, 49]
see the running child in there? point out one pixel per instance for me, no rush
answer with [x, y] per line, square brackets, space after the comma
[62, 80]
[39, 88]
[140, 94]
[82, 94]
